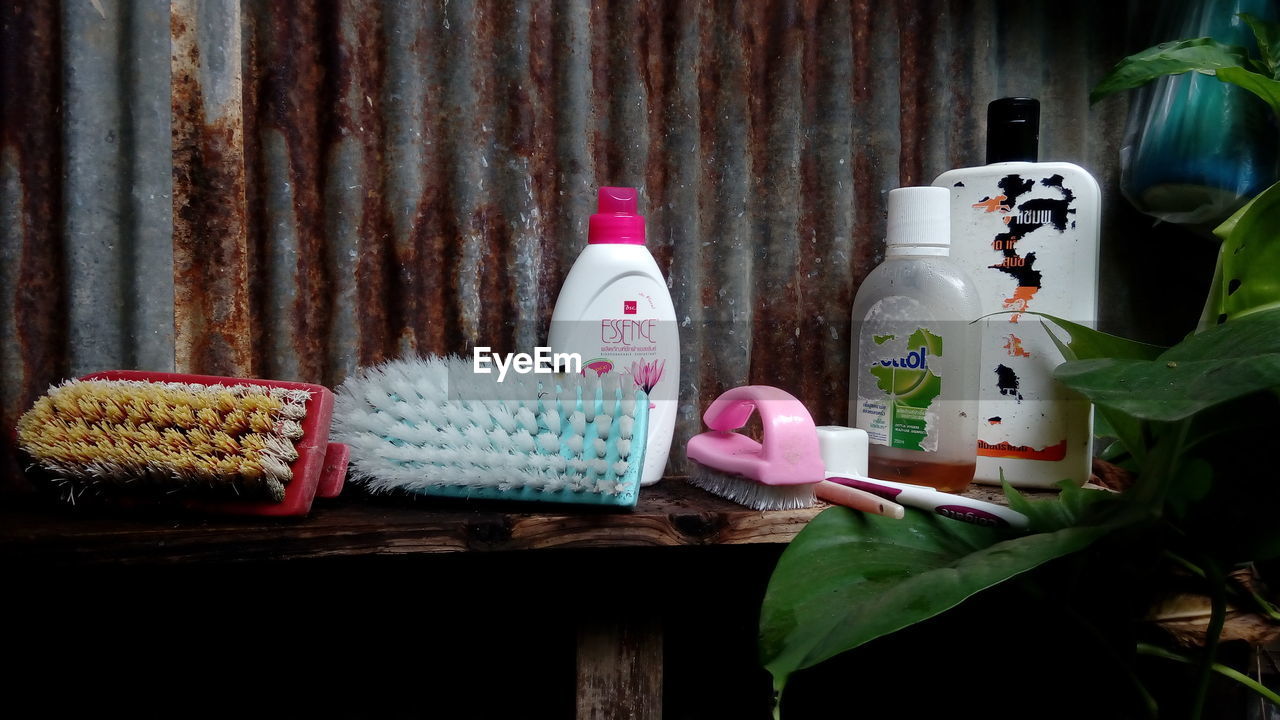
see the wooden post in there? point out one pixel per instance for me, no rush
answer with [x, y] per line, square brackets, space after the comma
[620, 669]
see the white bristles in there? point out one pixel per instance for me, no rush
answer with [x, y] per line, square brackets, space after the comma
[478, 414]
[590, 391]
[456, 414]
[451, 436]
[523, 441]
[608, 393]
[433, 423]
[754, 495]
[503, 417]
[525, 417]
[548, 443]
[291, 429]
[500, 440]
[568, 399]
[476, 437]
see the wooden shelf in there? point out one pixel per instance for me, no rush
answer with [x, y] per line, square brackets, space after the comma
[671, 513]
[620, 622]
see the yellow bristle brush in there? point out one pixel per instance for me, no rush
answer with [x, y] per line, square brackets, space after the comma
[222, 444]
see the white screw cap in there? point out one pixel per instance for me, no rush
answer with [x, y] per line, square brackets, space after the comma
[919, 216]
[843, 449]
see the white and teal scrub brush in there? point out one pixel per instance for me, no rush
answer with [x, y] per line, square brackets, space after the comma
[435, 427]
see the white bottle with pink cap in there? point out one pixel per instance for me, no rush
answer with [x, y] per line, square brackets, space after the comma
[616, 313]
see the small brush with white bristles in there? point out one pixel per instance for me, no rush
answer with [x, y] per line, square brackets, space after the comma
[782, 472]
[433, 426]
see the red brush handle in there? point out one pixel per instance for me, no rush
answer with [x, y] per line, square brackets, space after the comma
[334, 474]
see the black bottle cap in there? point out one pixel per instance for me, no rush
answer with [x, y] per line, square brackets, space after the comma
[1013, 130]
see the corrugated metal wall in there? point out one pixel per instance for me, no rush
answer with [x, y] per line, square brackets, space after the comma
[294, 188]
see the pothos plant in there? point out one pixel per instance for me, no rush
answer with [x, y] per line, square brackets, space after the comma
[1197, 424]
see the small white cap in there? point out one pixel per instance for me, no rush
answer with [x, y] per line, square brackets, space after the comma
[919, 216]
[843, 449]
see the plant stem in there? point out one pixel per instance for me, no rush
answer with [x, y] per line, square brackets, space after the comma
[1158, 473]
[1184, 563]
[1217, 618]
[1265, 606]
[1224, 670]
[1148, 702]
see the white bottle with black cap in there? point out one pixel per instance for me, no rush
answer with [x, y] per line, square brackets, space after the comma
[913, 377]
[1027, 233]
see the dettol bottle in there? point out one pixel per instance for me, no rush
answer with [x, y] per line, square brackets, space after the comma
[913, 380]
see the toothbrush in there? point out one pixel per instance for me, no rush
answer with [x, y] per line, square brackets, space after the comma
[844, 453]
[956, 507]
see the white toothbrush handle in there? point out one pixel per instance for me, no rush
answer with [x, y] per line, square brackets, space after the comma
[956, 507]
[855, 499]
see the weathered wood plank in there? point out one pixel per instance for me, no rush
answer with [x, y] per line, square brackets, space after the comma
[620, 669]
[669, 514]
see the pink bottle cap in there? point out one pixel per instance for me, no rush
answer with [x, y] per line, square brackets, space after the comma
[616, 220]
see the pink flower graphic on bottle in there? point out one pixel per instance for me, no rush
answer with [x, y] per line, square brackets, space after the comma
[647, 374]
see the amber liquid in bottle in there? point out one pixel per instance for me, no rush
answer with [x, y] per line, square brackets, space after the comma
[913, 371]
[948, 477]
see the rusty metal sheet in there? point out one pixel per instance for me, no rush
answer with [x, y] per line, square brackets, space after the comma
[344, 182]
[117, 204]
[213, 319]
[33, 309]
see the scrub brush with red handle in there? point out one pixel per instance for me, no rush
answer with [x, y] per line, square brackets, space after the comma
[217, 444]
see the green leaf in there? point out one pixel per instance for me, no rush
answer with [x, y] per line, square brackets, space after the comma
[1192, 479]
[849, 578]
[1173, 58]
[1248, 336]
[1086, 343]
[1267, 34]
[1260, 85]
[1247, 276]
[1102, 427]
[1130, 433]
[1115, 452]
[1073, 506]
[1159, 467]
[1169, 391]
[1220, 364]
